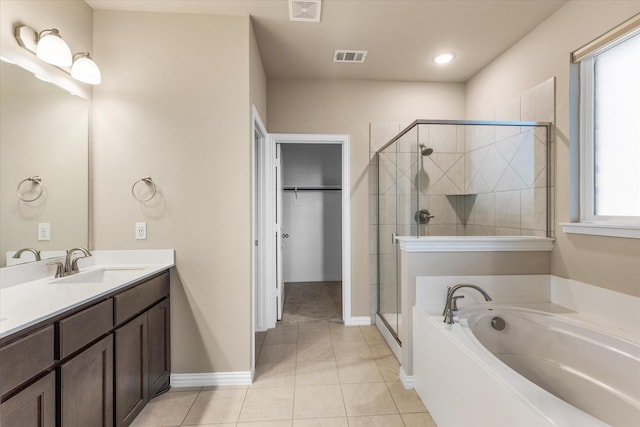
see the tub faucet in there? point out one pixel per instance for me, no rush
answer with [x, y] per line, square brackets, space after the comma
[35, 252]
[451, 303]
[71, 265]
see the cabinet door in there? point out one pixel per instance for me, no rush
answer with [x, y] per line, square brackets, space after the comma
[131, 370]
[159, 348]
[34, 406]
[86, 381]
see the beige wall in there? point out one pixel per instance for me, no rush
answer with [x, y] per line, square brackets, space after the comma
[612, 263]
[258, 79]
[175, 105]
[347, 107]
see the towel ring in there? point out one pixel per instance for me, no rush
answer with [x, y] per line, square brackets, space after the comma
[34, 180]
[147, 180]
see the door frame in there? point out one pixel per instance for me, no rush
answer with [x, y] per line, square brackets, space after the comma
[266, 297]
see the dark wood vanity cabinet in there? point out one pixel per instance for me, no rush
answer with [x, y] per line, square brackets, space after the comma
[96, 365]
[35, 406]
[159, 348]
[86, 387]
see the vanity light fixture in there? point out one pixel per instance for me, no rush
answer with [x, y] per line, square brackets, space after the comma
[444, 58]
[49, 47]
[84, 69]
[52, 49]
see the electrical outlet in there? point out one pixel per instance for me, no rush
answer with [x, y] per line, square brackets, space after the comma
[44, 231]
[141, 230]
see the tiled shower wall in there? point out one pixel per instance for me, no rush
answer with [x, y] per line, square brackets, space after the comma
[479, 180]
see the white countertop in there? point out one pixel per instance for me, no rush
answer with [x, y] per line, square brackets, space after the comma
[39, 296]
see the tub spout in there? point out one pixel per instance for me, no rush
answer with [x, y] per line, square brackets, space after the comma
[451, 305]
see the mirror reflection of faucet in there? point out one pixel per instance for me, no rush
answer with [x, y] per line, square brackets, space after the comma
[35, 253]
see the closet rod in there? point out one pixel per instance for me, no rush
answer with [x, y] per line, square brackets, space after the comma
[312, 189]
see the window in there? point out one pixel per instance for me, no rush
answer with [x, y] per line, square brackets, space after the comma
[610, 134]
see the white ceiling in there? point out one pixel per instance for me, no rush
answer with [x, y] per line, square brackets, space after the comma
[402, 36]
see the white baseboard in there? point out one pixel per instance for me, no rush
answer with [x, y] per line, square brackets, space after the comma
[406, 380]
[391, 341]
[358, 321]
[211, 379]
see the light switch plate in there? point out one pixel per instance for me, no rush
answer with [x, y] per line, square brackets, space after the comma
[141, 230]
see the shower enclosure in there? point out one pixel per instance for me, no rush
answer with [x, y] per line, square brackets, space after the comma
[458, 178]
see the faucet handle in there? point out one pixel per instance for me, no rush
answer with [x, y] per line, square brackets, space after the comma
[59, 269]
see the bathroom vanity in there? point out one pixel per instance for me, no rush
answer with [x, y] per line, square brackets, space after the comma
[96, 361]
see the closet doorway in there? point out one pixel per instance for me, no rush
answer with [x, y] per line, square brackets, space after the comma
[303, 247]
[311, 231]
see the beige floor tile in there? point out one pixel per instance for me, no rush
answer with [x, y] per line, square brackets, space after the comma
[322, 422]
[346, 350]
[314, 401]
[346, 333]
[358, 371]
[167, 409]
[317, 372]
[281, 336]
[372, 334]
[264, 424]
[368, 399]
[219, 405]
[278, 353]
[313, 324]
[380, 349]
[376, 421]
[268, 404]
[274, 375]
[317, 350]
[313, 334]
[418, 420]
[389, 368]
[407, 401]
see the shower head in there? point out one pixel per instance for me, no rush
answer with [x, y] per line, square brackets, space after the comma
[425, 151]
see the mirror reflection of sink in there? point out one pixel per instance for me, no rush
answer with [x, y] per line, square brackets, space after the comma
[102, 275]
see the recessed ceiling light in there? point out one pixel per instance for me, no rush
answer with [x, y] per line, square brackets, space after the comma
[444, 58]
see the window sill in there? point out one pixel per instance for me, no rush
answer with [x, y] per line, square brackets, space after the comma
[599, 229]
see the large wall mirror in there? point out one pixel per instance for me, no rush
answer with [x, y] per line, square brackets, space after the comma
[43, 132]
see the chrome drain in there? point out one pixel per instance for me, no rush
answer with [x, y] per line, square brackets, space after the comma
[498, 323]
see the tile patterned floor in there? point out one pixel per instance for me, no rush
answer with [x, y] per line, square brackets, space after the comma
[308, 374]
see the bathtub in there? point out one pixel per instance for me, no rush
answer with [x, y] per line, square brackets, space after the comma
[541, 369]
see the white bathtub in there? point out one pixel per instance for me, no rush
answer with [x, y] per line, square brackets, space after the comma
[560, 372]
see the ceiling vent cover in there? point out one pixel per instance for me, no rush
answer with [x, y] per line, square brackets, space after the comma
[304, 10]
[351, 56]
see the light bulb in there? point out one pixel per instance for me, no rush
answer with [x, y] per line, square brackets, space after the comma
[84, 69]
[52, 49]
[444, 58]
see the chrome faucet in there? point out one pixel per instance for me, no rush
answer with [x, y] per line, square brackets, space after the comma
[71, 265]
[451, 304]
[35, 253]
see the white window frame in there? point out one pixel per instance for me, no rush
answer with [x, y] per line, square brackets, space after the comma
[589, 222]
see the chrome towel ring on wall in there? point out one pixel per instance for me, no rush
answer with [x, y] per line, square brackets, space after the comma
[35, 181]
[146, 180]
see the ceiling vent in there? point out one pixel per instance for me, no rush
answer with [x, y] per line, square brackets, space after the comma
[304, 10]
[352, 56]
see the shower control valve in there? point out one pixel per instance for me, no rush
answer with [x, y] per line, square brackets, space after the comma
[423, 216]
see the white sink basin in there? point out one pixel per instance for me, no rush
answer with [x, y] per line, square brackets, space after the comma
[103, 275]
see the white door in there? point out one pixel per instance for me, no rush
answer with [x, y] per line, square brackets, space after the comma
[279, 233]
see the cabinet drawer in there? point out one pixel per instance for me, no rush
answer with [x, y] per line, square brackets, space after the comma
[25, 358]
[135, 300]
[81, 328]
